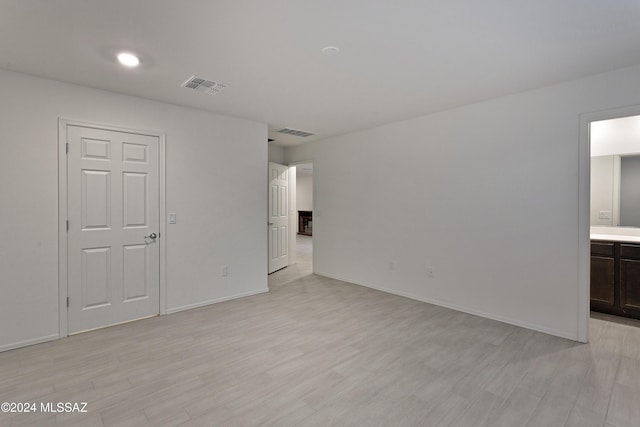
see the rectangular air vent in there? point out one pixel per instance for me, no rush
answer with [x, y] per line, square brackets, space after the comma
[202, 85]
[296, 132]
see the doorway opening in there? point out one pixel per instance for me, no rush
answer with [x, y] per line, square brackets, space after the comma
[609, 238]
[304, 208]
[615, 217]
[301, 226]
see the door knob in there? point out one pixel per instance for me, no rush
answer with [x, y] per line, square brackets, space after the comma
[151, 236]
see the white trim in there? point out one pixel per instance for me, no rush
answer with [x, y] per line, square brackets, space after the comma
[584, 196]
[584, 239]
[313, 192]
[162, 171]
[446, 304]
[267, 231]
[297, 163]
[63, 123]
[63, 325]
[293, 215]
[26, 343]
[215, 301]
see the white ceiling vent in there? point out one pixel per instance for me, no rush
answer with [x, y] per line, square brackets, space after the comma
[296, 132]
[202, 85]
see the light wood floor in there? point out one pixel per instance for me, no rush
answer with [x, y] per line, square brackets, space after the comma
[319, 352]
[302, 267]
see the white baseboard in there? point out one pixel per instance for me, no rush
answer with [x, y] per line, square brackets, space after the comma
[39, 340]
[215, 301]
[26, 343]
[446, 304]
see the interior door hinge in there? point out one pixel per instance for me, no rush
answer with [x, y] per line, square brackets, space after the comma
[67, 302]
[67, 148]
[67, 225]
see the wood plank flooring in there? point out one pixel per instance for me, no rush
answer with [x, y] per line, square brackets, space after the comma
[319, 352]
[302, 267]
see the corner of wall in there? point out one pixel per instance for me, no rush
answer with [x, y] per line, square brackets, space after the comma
[276, 154]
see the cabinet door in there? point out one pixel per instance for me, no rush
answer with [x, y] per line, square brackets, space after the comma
[630, 285]
[602, 281]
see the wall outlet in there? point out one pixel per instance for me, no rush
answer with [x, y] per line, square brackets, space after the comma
[430, 271]
[172, 218]
[224, 271]
[604, 215]
[392, 265]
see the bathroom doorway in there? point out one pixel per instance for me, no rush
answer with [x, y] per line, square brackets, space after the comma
[609, 272]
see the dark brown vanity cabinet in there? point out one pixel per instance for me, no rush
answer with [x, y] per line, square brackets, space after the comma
[615, 278]
[602, 275]
[630, 278]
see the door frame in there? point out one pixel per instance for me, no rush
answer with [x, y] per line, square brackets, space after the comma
[295, 220]
[63, 325]
[584, 210]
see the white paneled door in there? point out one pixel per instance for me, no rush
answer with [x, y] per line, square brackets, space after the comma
[278, 216]
[113, 230]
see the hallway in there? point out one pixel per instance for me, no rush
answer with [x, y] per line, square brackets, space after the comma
[302, 267]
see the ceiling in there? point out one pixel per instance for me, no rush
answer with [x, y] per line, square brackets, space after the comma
[398, 59]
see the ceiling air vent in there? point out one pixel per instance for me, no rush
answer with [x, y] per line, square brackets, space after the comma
[296, 132]
[202, 85]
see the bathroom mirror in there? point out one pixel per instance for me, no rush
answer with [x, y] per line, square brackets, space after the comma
[615, 191]
[615, 172]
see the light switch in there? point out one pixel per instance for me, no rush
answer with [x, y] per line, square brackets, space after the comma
[172, 218]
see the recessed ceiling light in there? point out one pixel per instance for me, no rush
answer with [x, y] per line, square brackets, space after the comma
[330, 51]
[128, 59]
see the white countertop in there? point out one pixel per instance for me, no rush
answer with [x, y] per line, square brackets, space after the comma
[615, 234]
[616, 238]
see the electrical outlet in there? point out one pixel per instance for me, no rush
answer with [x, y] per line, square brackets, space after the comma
[392, 265]
[430, 271]
[604, 215]
[224, 271]
[172, 218]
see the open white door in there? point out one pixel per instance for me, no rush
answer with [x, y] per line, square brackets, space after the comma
[114, 217]
[278, 216]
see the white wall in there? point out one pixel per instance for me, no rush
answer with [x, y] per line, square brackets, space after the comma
[486, 195]
[602, 189]
[276, 154]
[220, 208]
[305, 193]
[617, 136]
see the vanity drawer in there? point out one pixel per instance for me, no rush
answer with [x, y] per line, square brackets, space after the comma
[603, 248]
[629, 251]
